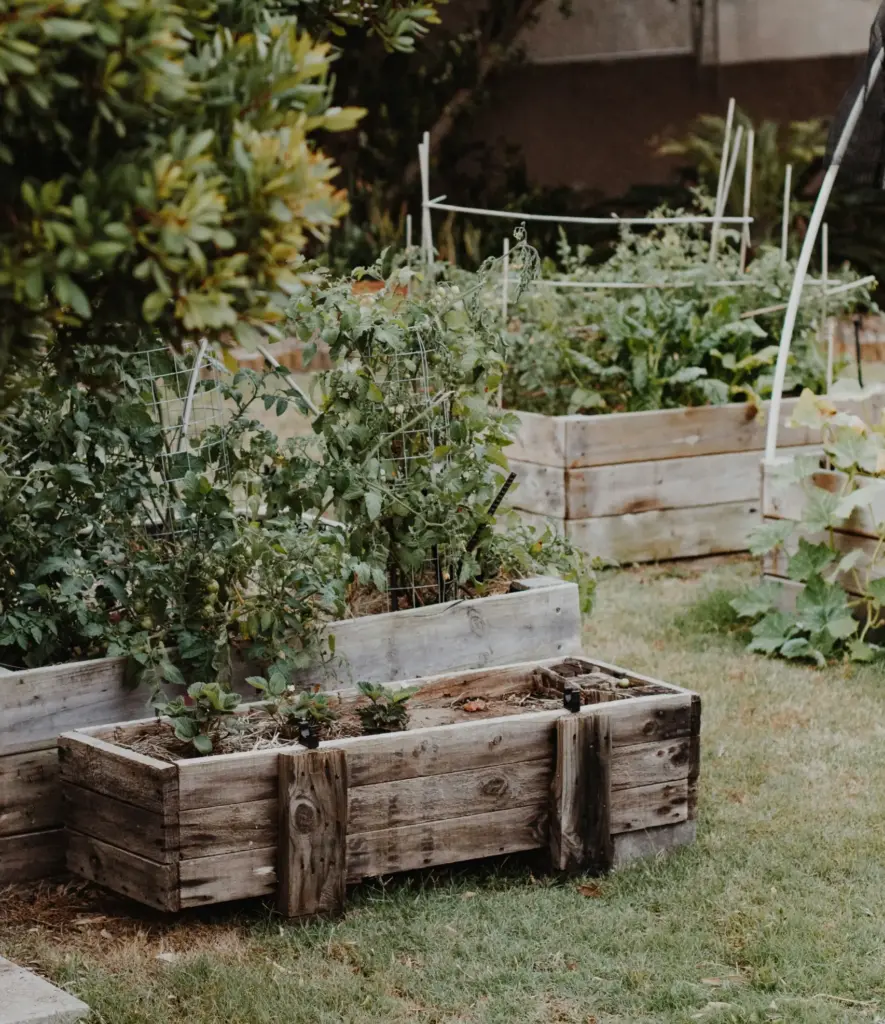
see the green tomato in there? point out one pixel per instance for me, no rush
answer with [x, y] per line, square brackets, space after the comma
[147, 622]
[208, 610]
[212, 586]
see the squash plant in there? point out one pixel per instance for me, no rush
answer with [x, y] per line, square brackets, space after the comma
[597, 351]
[839, 611]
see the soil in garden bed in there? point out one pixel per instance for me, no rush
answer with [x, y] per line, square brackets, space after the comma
[540, 689]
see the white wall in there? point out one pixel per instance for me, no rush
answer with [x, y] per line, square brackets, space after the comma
[750, 30]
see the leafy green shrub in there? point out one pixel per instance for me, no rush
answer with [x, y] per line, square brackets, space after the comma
[597, 351]
[204, 717]
[290, 708]
[840, 608]
[386, 711]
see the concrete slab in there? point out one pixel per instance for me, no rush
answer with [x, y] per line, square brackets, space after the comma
[26, 998]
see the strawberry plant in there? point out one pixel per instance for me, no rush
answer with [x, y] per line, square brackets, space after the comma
[841, 607]
[387, 709]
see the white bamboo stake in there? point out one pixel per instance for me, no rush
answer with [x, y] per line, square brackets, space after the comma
[289, 379]
[808, 245]
[552, 218]
[408, 232]
[723, 171]
[505, 282]
[825, 277]
[189, 397]
[426, 224]
[748, 197]
[732, 167]
[785, 225]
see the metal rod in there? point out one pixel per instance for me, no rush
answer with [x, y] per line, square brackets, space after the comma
[492, 509]
[551, 218]
[857, 351]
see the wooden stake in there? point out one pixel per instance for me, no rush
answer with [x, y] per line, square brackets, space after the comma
[580, 813]
[312, 853]
[723, 171]
[748, 198]
[785, 226]
[694, 757]
[426, 226]
[826, 329]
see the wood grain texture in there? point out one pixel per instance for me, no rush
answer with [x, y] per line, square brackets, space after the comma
[435, 797]
[227, 877]
[31, 856]
[29, 791]
[680, 433]
[665, 535]
[539, 439]
[788, 502]
[648, 763]
[123, 872]
[630, 847]
[539, 489]
[694, 757]
[649, 806]
[113, 821]
[311, 863]
[123, 774]
[458, 635]
[228, 828]
[370, 854]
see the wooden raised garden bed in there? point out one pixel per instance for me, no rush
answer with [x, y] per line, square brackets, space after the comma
[492, 764]
[540, 618]
[650, 486]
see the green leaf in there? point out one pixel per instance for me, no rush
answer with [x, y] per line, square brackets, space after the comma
[756, 601]
[374, 393]
[860, 651]
[202, 744]
[770, 536]
[823, 605]
[820, 512]
[171, 673]
[374, 501]
[772, 632]
[66, 30]
[809, 560]
[801, 648]
[876, 590]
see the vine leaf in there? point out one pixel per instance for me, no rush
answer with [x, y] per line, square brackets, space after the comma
[810, 560]
[756, 601]
[770, 536]
[824, 606]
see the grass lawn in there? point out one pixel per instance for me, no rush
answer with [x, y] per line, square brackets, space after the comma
[778, 914]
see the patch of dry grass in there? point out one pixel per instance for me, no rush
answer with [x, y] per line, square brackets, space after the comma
[776, 915]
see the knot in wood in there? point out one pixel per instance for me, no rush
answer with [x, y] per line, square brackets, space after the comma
[305, 817]
[495, 786]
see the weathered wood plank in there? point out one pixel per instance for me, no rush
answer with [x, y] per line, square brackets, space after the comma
[648, 763]
[539, 439]
[694, 757]
[450, 841]
[123, 872]
[239, 778]
[664, 535]
[634, 487]
[124, 774]
[408, 802]
[458, 635]
[654, 842]
[776, 563]
[228, 876]
[228, 828]
[113, 821]
[649, 806]
[678, 433]
[788, 502]
[38, 704]
[540, 489]
[31, 856]
[29, 792]
[312, 833]
[580, 809]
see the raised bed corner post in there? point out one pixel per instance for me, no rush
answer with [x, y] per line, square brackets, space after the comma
[312, 851]
[808, 247]
[580, 805]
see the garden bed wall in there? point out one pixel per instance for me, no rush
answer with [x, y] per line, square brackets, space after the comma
[540, 619]
[653, 486]
[858, 532]
[233, 826]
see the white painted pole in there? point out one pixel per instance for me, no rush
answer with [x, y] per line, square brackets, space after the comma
[505, 282]
[732, 168]
[426, 225]
[748, 197]
[824, 326]
[408, 232]
[808, 246]
[723, 171]
[785, 223]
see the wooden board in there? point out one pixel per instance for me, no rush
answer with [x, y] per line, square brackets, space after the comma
[312, 833]
[649, 806]
[105, 818]
[481, 791]
[776, 563]
[540, 439]
[539, 489]
[29, 792]
[146, 881]
[228, 876]
[450, 841]
[31, 856]
[788, 502]
[630, 847]
[123, 774]
[580, 806]
[239, 778]
[648, 763]
[497, 630]
[675, 533]
[228, 828]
